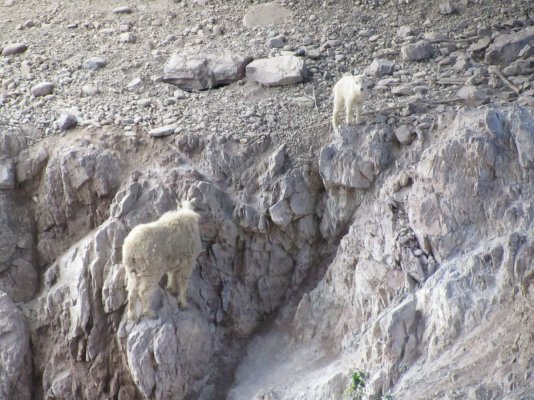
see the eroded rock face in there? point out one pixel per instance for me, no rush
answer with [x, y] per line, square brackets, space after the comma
[15, 354]
[245, 272]
[78, 184]
[428, 277]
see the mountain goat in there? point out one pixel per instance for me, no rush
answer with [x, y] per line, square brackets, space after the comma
[350, 90]
[169, 246]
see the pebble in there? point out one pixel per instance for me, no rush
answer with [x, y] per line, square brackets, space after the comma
[42, 89]
[94, 63]
[127, 37]
[135, 85]
[276, 42]
[162, 131]
[90, 90]
[303, 102]
[123, 10]
[14, 48]
[66, 122]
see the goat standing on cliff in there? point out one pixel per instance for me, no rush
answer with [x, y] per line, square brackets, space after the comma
[169, 246]
[349, 91]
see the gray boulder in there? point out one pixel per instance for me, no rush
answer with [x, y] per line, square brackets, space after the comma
[505, 48]
[204, 71]
[15, 356]
[277, 71]
[418, 51]
[380, 67]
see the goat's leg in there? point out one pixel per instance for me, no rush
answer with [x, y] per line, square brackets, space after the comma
[338, 105]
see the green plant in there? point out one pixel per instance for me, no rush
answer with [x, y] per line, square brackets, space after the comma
[356, 388]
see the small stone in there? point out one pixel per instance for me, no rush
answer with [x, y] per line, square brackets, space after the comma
[418, 51]
[405, 134]
[162, 131]
[135, 85]
[94, 63]
[303, 102]
[14, 48]
[276, 42]
[404, 31]
[90, 90]
[123, 10]
[447, 7]
[42, 89]
[180, 94]
[66, 122]
[127, 37]
[479, 45]
[435, 37]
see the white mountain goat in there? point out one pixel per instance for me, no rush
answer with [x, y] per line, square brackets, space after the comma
[350, 90]
[169, 246]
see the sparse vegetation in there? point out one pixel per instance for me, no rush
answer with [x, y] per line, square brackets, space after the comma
[356, 389]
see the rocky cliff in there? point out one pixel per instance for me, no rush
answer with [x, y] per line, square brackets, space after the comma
[401, 247]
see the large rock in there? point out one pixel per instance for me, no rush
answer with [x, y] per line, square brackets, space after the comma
[505, 48]
[265, 14]
[418, 51]
[204, 71]
[15, 353]
[380, 67]
[163, 357]
[277, 71]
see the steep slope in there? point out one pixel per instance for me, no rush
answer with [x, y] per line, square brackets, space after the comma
[401, 246]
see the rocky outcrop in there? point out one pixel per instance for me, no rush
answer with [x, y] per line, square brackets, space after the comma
[15, 354]
[428, 278]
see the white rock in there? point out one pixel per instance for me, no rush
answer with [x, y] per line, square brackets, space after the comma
[277, 71]
[90, 90]
[123, 10]
[162, 131]
[265, 14]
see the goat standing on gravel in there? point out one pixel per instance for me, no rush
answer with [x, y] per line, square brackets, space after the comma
[349, 91]
[169, 246]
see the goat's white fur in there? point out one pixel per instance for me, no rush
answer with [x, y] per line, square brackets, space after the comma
[169, 246]
[349, 91]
